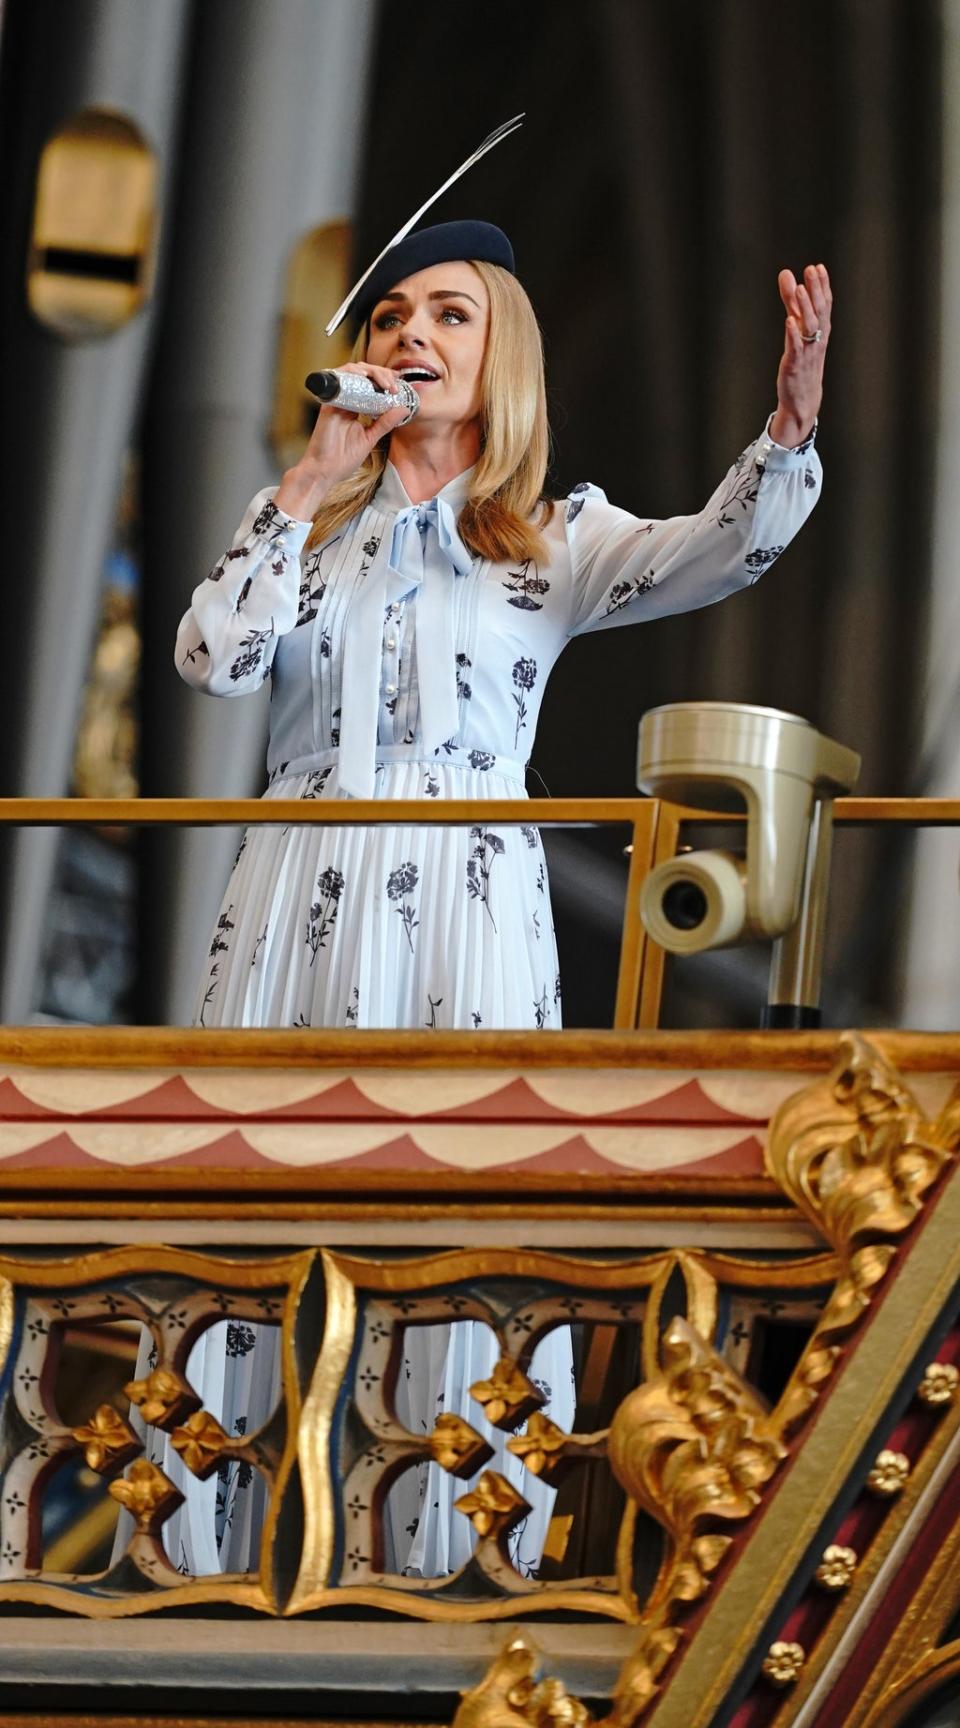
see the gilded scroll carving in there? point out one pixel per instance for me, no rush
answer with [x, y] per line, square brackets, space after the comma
[855, 1154]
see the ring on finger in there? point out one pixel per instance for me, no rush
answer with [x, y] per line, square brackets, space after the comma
[817, 336]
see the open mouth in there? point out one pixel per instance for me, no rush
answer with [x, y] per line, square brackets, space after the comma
[418, 374]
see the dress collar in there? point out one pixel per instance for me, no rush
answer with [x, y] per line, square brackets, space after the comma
[392, 495]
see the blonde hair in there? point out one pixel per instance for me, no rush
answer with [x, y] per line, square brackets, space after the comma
[506, 490]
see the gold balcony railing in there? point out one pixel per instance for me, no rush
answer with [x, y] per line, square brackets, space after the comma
[655, 829]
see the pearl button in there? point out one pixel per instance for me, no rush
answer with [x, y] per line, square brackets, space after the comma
[391, 641]
[391, 689]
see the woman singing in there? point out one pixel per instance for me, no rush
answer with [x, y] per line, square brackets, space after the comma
[408, 588]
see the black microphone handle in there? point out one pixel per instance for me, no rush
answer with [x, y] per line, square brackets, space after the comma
[324, 385]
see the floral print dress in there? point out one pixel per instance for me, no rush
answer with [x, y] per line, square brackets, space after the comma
[403, 667]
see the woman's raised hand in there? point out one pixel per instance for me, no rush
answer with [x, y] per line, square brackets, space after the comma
[338, 444]
[808, 307]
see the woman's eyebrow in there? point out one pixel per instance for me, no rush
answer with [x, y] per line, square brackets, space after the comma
[438, 294]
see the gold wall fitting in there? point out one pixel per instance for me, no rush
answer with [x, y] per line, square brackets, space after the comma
[508, 1396]
[162, 1397]
[200, 1442]
[939, 1385]
[90, 263]
[107, 1440]
[147, 1493]
[457, 1447]
[493, 1505]
[783, 1662]
[889, 1475]
[836, 1569]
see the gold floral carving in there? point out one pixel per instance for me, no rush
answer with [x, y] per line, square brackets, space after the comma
[162, 1398]
[836, 1569]
[692, 1448]
[542, 1447]
[107, 1440]
[508, 1396]
[510, 1696]
[889, 1475]
[493, 1505]
[199, 1442]
[855, 1154]
[939, 1385]
[783, 1662]
[457, 1447]
[147, 1493]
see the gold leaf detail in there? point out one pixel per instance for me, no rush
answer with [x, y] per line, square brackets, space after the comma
[162, 1397]
[939, 1384]
[783, 1662]
[107, 1440]
[199, 1442]
[855, 1154]
[147, 1493]
[509, 1696]
[508, 1396]
[836, 1569]
[889, 1474]
[690, 1447]
[457, 1447]
[493, 1505]
[541, 1447]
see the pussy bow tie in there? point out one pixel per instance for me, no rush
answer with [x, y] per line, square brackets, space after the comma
[424, 556]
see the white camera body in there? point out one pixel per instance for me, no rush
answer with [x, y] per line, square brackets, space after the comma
[727, 757]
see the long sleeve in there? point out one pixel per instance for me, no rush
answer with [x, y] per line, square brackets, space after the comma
[626, 570]
[228, 637]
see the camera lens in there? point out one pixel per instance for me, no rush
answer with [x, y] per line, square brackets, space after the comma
[684, 905]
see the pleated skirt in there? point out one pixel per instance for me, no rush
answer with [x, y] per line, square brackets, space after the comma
[393, 927]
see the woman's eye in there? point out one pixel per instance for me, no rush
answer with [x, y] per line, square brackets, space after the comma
[386, 320]
[453, 315]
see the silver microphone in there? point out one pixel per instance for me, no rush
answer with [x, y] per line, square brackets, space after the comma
[359, 395]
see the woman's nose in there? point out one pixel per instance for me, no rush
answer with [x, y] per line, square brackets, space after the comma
[411, 338]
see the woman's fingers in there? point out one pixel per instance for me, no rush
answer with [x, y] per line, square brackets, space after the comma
[787, 284]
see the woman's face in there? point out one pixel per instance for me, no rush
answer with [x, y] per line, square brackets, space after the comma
[432, 327]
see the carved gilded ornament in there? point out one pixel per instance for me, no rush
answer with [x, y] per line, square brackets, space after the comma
[889, 1475]
[854, 1153]
[162, 1397]
[541, 1448]
[147, 1493]
[199, 1442]
[457, 1447]
[939, 1385]
[508, 1396]
[493, 1505]
[836, 1570]
[783, 1662]
[107, 1440]
[691, 1448]
[510, 1696]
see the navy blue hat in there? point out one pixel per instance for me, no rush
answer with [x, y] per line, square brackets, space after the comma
[441, 244]
[408, 252]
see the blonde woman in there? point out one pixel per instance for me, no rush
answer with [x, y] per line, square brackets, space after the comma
[408, 588]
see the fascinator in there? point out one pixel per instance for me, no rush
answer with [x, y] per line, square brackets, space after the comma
[408, 252]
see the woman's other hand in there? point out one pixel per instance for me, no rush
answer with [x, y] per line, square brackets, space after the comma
[338, 444]
[808, 306]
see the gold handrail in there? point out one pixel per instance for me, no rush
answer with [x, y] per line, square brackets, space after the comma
[654, 824]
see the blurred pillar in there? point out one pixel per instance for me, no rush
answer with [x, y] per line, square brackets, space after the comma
[68, 412]
[271, 148]
[930, 968]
